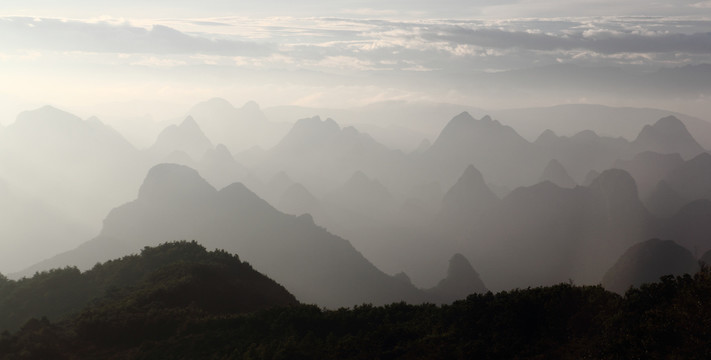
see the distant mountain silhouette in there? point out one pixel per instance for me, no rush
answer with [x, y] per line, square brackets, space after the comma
[321, 155]
[31, 230]
[176, 203]
[590, 177]
[663, 201]
[220, 168]
[582, 152]
[555, 173]
[494, 149]
[298, 200]
[465, 204]
[569, 119]
[237, 128]
[424, 145]
[461, 281]
[667, 136]
[692, 179]
[545, 234]
[79, 168]
[691, 226]
[186, 137]
[648, 168]
[646, 262]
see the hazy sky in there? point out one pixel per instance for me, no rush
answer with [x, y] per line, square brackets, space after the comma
[129, 58]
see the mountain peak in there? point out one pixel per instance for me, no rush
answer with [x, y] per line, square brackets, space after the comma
[670, 123]
[47, 116]
[667, 135]
[556, 173]
[461, 281]
[469, 196]
[646, 262]
[171, 181]
[617, 181]
[189, 123]
[187, 137]
[546, 136]
[251, 106]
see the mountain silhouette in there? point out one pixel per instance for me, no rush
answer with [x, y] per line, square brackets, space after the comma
[79, 168]
[465, 204]
[298, 200]
[465, 140]
[667, 136]
[220, 168]
[691, 227]
[237, 128]
[461, 281]
[581, 152]
[186, 137]
[322, 156]
[663, 201]
[544, 234]
[590, 177]
[692, 179]
[176, 203]
[555, 173]
[646, 262]
[648, 168]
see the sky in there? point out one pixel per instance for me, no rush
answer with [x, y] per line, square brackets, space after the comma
[155, 59]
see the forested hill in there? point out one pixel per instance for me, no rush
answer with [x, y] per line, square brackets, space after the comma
[663, 320]
[175, 275]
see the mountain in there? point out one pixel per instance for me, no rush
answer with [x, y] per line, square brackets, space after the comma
[545, 234]
[581, 152]
[171, 275]
[32, 230]
[663, 201]
[646, 262]
[569, 119]
[77, 169]
[298, 200]
[465, 204]
[494, 149]
[691, 227]
[692, 179]
[220, 168]
[590, 177]
[362, 194]
[555, 173]
[321, 155]
[648, 168]
[667, 136]
[461, 281]
[174, 202]
[237, 128]
[186, 137]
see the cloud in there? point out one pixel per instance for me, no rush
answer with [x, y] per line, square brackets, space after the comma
[606, 42]
[72, 35]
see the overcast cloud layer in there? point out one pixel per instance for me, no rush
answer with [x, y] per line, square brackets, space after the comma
[351, 53]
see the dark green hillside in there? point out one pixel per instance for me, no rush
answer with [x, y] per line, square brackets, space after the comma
[174, 275]
[663, 320]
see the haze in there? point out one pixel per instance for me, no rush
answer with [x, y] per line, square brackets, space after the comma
[363, 151]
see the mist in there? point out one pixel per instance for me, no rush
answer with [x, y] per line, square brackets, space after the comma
[340, 155]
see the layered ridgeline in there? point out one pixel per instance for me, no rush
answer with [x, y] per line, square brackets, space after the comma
[59, 174]
[174, 202]
[544, 234]
[177, 275]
